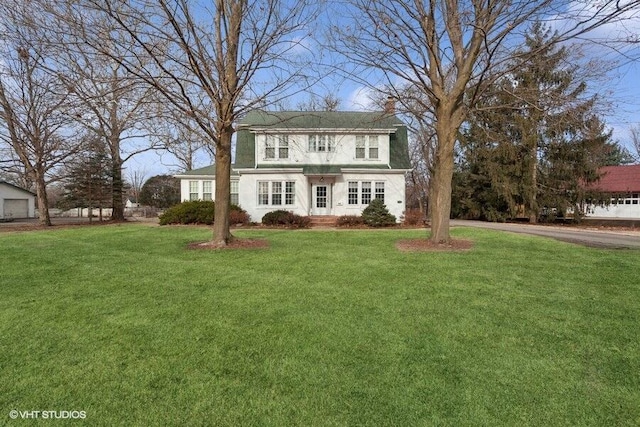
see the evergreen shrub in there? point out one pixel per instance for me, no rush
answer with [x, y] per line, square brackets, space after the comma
[286, 218]
[349, 221]
[377, 215]
[200, 212]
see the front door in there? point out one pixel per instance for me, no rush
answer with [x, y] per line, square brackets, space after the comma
[321, 199]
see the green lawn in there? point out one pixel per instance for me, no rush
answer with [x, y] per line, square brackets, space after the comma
[323, 328]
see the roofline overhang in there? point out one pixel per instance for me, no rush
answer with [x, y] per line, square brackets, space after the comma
[387, 171]
[268, 170]
[200, 176]
[261, 130]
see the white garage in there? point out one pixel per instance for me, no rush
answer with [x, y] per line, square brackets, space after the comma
[16, 202]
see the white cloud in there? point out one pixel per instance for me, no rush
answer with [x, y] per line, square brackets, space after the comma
[360, 99]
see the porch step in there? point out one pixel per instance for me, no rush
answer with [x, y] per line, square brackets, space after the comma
[323, 220]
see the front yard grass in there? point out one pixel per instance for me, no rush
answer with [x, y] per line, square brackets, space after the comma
[322, 328]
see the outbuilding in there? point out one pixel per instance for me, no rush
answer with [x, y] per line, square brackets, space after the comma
[16, 202]
[622, 185]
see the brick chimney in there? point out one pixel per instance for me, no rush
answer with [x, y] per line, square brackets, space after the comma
[390, 105]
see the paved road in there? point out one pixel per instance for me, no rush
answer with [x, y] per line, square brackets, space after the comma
[619, 239]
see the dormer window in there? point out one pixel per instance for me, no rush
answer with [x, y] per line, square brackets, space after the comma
[322, 143]
[277, 147]
[366, 146]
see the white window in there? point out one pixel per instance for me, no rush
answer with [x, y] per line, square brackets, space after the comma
[366, 193]
[380, 191]
[234, 192]
[263, 193]
[359, 193]
[270, 193]
[276, 147]
[276, 193]
[373, 147]
[206, 190]
[290, 193]
[352, 198]
[322, 143]
[360, 147]
[367, 147]
[193, 190]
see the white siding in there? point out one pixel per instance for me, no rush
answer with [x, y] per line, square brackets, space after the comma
[394, 192]
[345, 151]
[625, 209]
[12, 198]
[248, 194]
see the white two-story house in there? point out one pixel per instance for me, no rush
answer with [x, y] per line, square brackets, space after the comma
[312, 163]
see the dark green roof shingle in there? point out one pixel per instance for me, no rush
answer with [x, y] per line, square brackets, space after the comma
[320, 120]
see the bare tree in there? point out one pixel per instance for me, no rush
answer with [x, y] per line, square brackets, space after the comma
[213, 63]
[326, 102]
[181, 137]
[33, 102]
[109, 100]
[136, 179]
[449, 52]
[634, 134]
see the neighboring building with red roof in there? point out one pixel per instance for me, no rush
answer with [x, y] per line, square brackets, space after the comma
[623, 183]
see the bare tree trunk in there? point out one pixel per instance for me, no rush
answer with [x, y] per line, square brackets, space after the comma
[533, 189]
[117, 184]
[440, 189]
[43, 202]
[221, 233]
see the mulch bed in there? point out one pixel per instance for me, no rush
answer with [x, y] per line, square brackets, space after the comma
[426, 245]
[236, 243]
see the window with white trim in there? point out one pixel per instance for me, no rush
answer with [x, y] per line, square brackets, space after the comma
[367, 147]
[353, 193]
[207, 193]
[276, 193]
[289, 193]
[359, 193]
[234, 192]
[270, 193]
[263, 193]
[380, 190]
[193, 190]
[366, 193]
[276, 147]
[373, 147]
[319, 143]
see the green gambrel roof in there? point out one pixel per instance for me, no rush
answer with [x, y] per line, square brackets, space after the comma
[320, 120]
[207, 171]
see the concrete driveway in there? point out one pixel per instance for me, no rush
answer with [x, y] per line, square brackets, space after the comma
[611, 239]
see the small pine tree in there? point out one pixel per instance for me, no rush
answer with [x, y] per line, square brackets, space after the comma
[377, 214]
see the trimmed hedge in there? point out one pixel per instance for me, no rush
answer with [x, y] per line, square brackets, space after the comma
[200, 212]
[350, 221]
[285, 218]
[377, 214]
[414, 217]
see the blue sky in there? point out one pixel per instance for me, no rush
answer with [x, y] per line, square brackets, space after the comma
[621, 90]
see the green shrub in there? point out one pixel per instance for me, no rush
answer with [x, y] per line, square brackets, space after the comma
[377, 214]
[349, 221]
[200, 212]
[285, 218]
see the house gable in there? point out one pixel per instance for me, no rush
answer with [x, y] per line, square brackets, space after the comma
[16, 202]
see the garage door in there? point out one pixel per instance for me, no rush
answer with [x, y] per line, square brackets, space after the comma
[16, 208]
